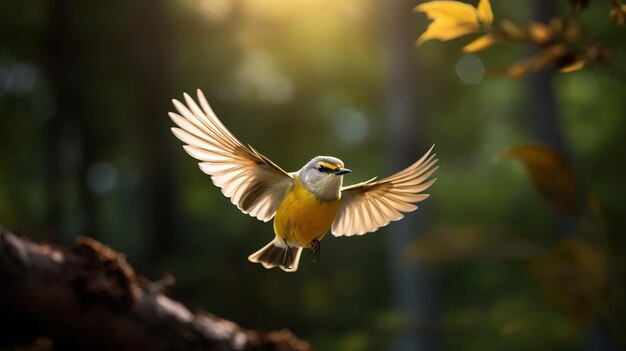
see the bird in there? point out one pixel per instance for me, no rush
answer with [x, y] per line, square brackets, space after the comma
[305, 204]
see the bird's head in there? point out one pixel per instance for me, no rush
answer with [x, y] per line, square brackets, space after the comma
[322, 177]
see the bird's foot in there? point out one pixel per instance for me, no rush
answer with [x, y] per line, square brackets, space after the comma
[288, 257]
[316, 249]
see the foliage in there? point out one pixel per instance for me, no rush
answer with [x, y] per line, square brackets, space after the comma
[574, 270]
[561, 43]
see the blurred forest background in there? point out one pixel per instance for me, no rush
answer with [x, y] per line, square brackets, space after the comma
[486, 263]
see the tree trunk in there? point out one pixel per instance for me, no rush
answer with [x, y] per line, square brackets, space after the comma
[69, 144]
[412, 282]
[89, 298]
[543, 105]
[545, 125]
[149, 57]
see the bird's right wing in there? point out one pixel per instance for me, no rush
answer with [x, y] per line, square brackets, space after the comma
[254, 183]
[370, 205]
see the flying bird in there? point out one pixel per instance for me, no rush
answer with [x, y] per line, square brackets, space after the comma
[304, 204]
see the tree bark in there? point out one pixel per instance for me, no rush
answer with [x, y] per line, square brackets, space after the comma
[70, 141]
[89, 298]
[149, 57]
[547, 129]
[544, 114]
[413, 284]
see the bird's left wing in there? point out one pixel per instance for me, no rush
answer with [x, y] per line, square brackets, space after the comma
[370, 205]
[254, 183]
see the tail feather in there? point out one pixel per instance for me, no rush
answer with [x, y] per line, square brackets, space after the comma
[275, 254]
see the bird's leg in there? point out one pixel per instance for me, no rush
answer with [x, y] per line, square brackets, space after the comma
[316, 249]
[288, 257]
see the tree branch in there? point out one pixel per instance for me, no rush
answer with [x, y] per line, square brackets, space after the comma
[88, 297]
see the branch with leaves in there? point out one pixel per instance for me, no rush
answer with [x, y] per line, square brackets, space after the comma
[559, 44]
[575, 270]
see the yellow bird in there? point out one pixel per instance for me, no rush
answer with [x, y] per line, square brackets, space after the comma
[305, 204]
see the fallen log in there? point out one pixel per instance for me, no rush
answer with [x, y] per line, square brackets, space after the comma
[89, 298]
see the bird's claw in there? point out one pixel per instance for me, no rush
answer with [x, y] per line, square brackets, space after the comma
[316, 249]
[288, 257]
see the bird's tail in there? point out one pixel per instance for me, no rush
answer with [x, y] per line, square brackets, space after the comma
[278, 254]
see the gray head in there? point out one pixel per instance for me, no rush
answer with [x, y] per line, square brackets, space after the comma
[322, 176]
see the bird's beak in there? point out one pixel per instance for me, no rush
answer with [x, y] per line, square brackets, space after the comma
[341, 171]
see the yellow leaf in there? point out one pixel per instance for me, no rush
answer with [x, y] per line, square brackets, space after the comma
[450, 19]
[484, 13]
[452, 11]
[557, 55]
[540, 33]
[551, 173]
[444, 31]
[556, 25]
[511, 30]
[549, 55]
[479, 44]
[519, 69]
[618, 14]
[573, 67]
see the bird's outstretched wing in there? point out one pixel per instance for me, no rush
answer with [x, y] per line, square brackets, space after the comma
[370, 205]
[252, 181]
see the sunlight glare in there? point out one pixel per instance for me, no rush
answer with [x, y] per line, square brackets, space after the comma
[102, 177]
[216, 11]
[470, 69]
[351, 126]
[259, 77]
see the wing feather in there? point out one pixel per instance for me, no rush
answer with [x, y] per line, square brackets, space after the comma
[254, 183]
[369, 205]
[370, 212]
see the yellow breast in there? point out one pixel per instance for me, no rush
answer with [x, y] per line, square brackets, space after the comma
[301, 217]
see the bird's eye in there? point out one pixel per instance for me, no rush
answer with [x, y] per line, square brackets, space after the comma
[323, 169]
